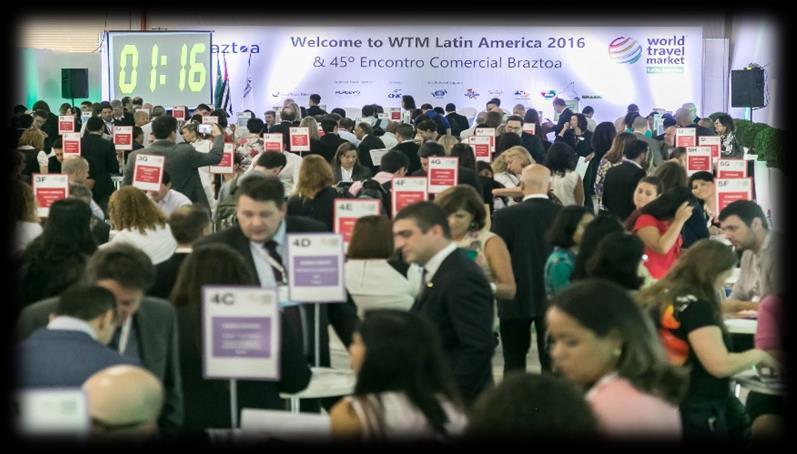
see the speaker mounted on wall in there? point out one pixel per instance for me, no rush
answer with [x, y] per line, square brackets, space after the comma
[74, 83]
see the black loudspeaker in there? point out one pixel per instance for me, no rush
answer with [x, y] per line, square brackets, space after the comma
[747, 88]
[74, 83]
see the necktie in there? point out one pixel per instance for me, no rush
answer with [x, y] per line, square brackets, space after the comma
[271, 248]
[423, 282]
[117, 335]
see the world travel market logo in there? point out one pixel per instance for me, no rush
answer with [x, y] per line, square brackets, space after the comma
[625, 50]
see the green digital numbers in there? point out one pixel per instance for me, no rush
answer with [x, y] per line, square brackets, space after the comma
[130, 51]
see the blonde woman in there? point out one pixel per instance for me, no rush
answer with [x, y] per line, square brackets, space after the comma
[31, 143]
[448, 141]
[315, 194]
[136, 219]
[507, 168]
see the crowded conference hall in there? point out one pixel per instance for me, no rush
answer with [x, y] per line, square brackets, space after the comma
[275, 229]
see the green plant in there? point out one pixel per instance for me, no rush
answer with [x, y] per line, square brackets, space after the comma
[748, 139]
[769, 142]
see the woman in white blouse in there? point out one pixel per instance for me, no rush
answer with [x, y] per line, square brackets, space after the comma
[137, 220]
[372, 280]
[346, 167]
[507, 168]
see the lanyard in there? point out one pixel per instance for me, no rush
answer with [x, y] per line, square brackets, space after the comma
[125, 335]
[267, 257]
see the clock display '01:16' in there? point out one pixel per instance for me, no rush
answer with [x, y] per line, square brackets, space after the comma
[196, 71]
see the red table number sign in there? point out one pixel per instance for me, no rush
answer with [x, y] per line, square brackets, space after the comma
[300, 139]
[714, 143]
[395, 113]
[443, 174]
[347, 211]
[272, 142]
[49, 189]
[481, 147]
[489, 132]
[123, 137]
[148, 172]
[732, 168]
[66, 123]
[226, 163]
[71, 144]
[530, 128]
[406, 191]
[698, 159]
[685, 137]
[731, 190]
[179, 113]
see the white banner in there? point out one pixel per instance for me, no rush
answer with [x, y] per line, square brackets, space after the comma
[607, 67]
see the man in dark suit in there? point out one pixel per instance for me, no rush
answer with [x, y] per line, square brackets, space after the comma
[523, 227]
[621, 180]
[458, 122]
[147, 329]
[73, 346]
[120, 116]
[288, 116]
[188, 224]
[48, 123]
[408, 146]
[102, 158]
[182, 160]
[455, 296]
[314, 110]
[532, 143]
[560, 107]
[368, 142]
[261, 236]
[330, 141]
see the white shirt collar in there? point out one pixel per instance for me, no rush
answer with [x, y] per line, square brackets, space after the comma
[434, 263]
[67, 323]
[535, 196]
[632, 162]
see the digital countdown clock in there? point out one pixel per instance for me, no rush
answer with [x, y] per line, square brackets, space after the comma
[164, 68]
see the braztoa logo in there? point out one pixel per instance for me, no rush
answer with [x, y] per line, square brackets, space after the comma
[625, 50]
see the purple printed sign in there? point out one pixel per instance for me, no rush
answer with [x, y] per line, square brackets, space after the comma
[316, 271]
[242, 337]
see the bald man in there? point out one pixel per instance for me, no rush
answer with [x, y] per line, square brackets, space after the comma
[523, 227]
[124, 401]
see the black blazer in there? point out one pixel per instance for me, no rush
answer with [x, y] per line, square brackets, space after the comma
[342, 316]
[564, 117]
[459, 303]
[101, 156]
[410, 149]
[359, 173]
[619, 187]
[321, 207]
[328, 145]
[315, 110]
[370, 142]
[581, 145]
[166, 275]
[207, 403]
[534, 146]
[523, 227]
[458, 123]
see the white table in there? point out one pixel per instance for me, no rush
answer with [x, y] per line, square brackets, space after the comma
[752, 381]
[741, 325]
[325, 382]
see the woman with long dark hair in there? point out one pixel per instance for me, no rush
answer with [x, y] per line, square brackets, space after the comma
[602, 139]
[658, 224]
[56, 259]
[686, 309]
[576, 134]
[565, 236]
[565, 181]
[404, 389]
[613, 157]
[602, 341]
[532, 116]
[603, 224]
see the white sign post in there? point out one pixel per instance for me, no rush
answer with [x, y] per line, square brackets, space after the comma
[698, 159]
[48, 189]
[240, 336]
[315, 267]
[300, 139]
[406, 191]
[443, 173]
[226, 163]
[148, 172]
[123, 137]
[732, 168]
[71, 144]
[731, 190]
[346, 213]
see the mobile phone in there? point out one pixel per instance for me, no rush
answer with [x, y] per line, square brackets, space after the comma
[204, 129]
